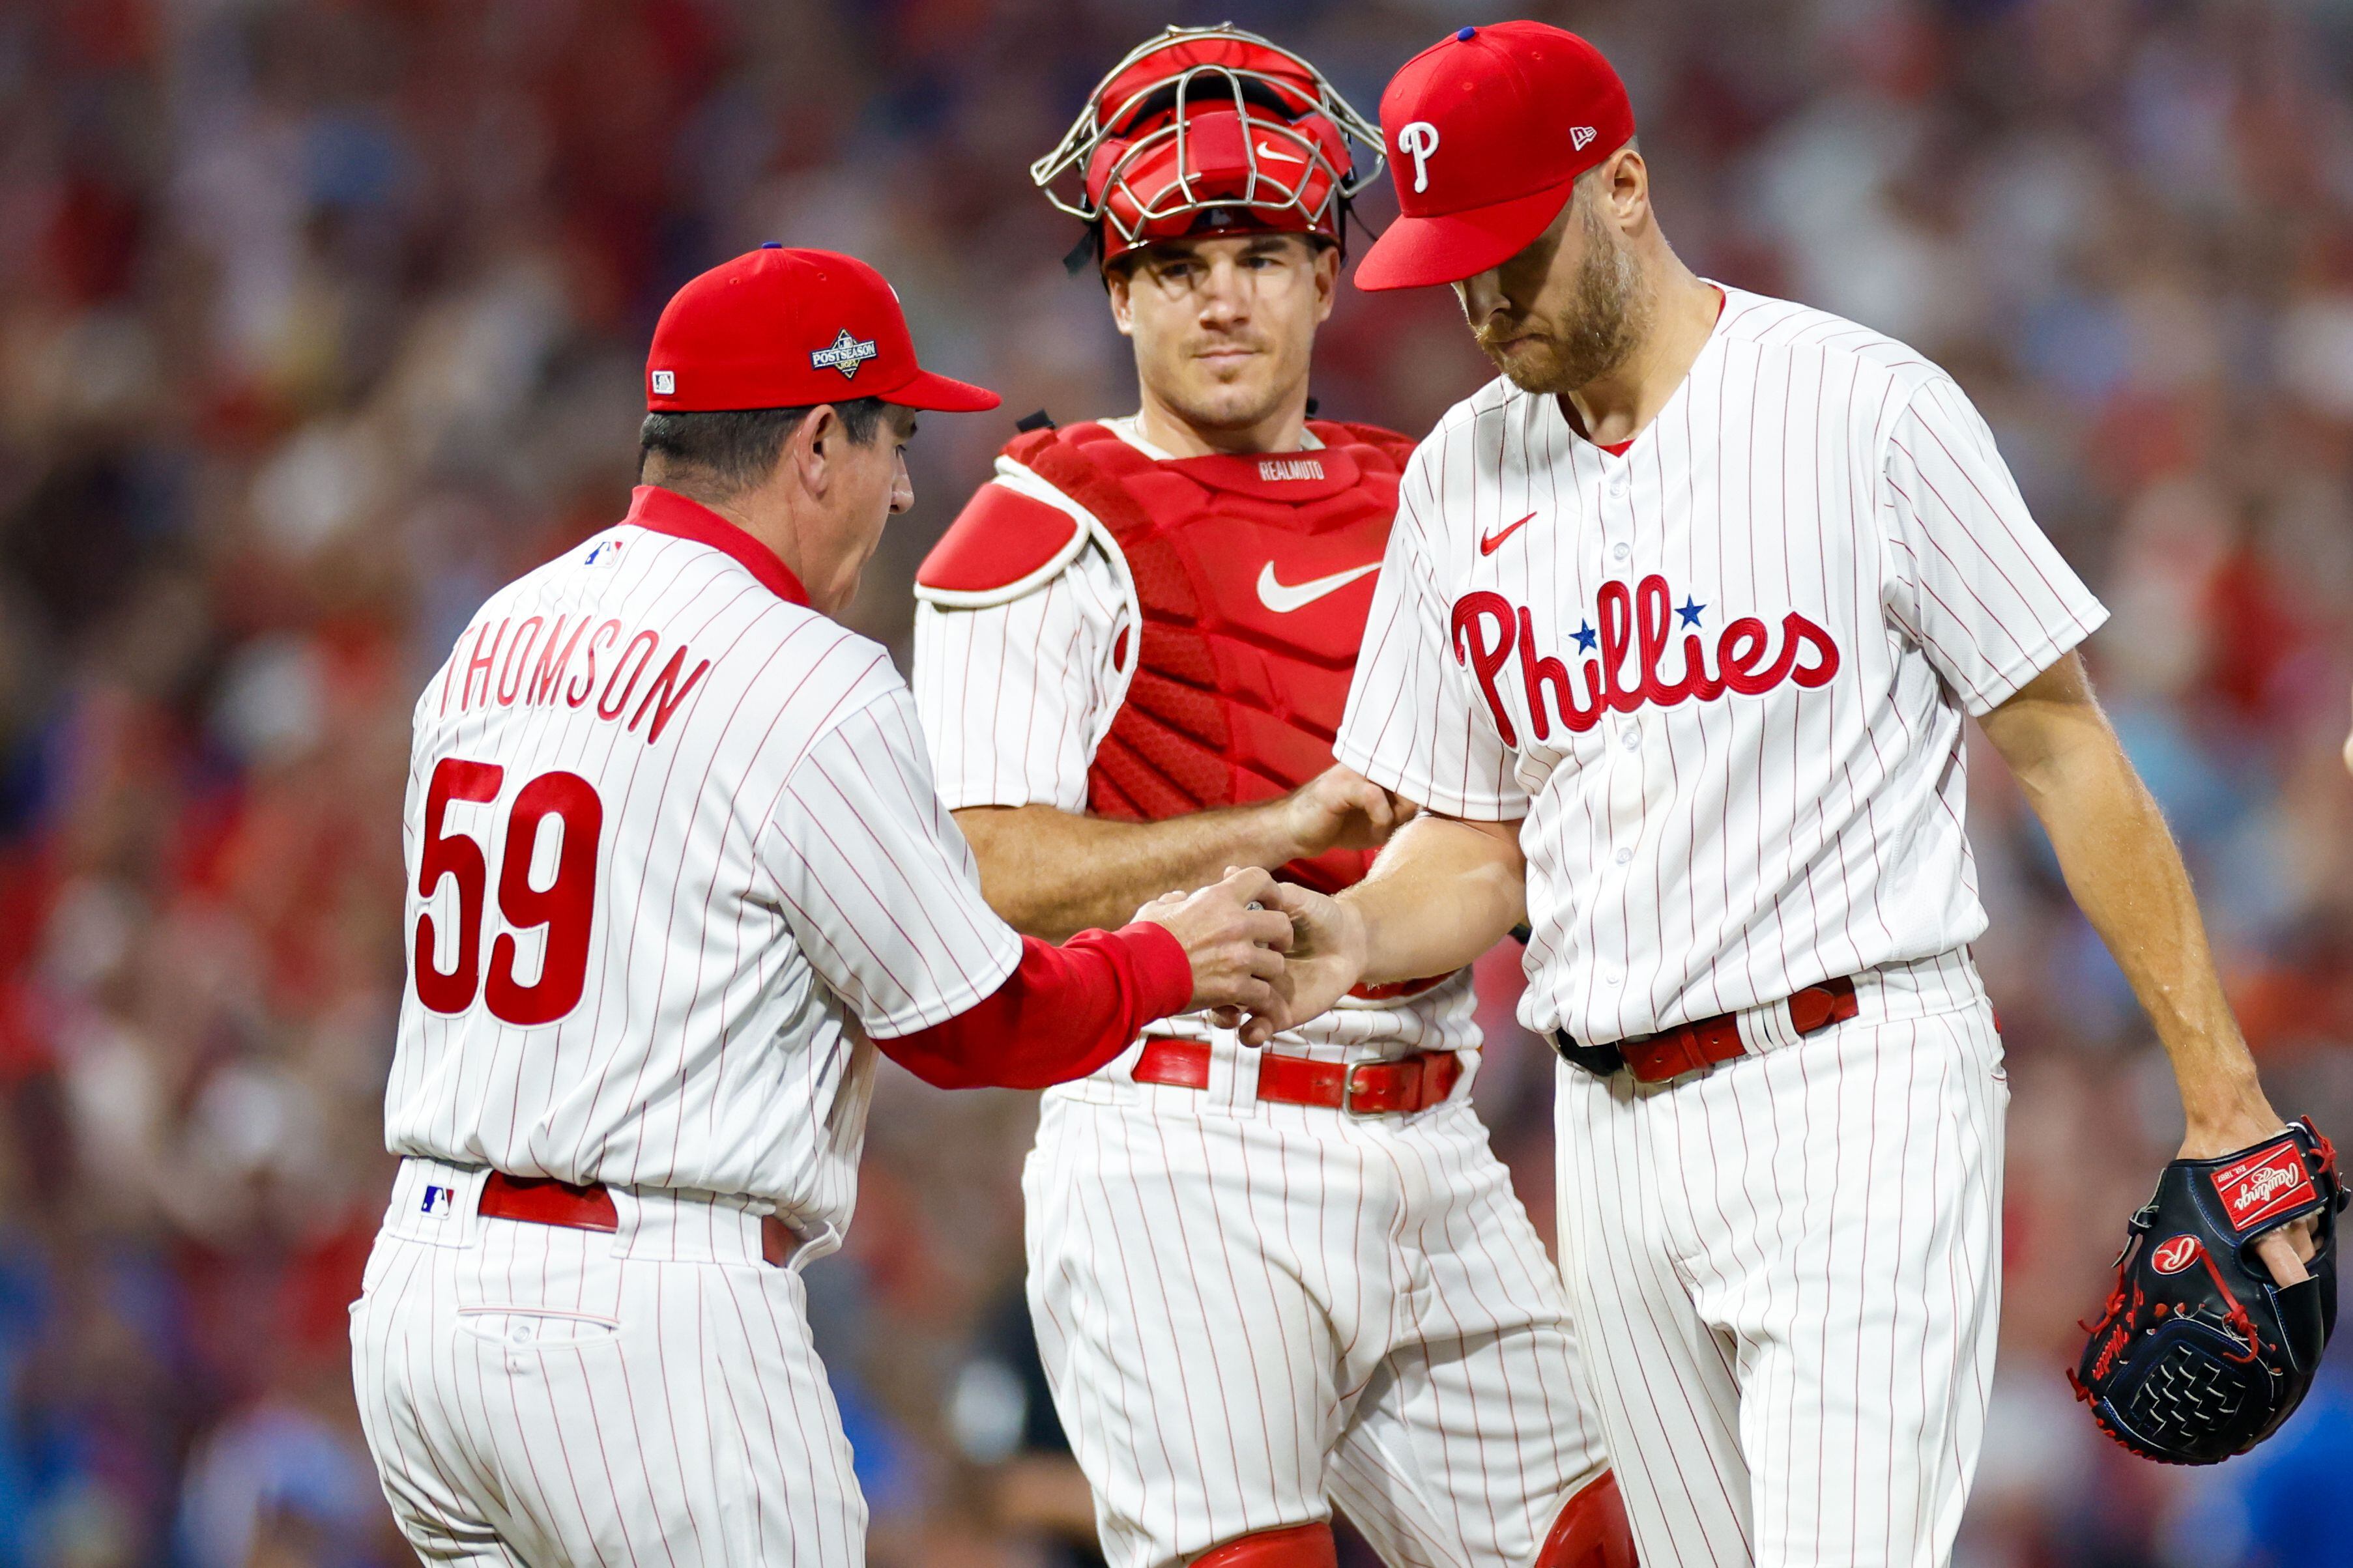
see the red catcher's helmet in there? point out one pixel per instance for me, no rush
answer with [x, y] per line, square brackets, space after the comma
[1205, 129]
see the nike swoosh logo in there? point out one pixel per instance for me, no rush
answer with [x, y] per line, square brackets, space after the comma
[1488, 543]
[1282, 598]
[1266, 152]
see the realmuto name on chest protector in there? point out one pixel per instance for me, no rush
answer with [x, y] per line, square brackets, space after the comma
[1642, 645]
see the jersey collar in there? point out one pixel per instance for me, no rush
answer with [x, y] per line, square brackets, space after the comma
[658, 510]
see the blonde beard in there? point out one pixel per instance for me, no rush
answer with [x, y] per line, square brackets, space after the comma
[1612, 316]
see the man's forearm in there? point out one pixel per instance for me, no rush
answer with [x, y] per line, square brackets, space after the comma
[2127, 876]
[1049, 873]
[1443, 893]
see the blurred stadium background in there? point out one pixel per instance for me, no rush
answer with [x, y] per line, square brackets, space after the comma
[320, 319]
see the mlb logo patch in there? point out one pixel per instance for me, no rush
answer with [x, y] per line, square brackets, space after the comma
[665, 383]
[437, 1202]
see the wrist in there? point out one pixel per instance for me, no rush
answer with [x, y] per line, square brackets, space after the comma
[1354, 936]
[1163, 968]
[1268, 839]
[2227, 1112]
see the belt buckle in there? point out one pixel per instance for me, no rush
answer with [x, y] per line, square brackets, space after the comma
[1351, 1084]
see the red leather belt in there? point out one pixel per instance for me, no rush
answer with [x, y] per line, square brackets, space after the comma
[543, 1200]
[1703, 1042]
[1395, 1087]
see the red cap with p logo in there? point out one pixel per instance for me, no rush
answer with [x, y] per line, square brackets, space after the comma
[1487, 131]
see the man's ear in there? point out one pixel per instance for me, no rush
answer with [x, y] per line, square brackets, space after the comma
[815, 445]
[1116, 284]
[1327, 281]
[1626, 189]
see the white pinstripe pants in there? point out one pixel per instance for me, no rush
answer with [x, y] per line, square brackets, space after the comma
[553, 1397]
[1245, 1312]
[1787, 1271]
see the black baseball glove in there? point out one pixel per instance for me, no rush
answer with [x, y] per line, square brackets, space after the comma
[2199, 1354]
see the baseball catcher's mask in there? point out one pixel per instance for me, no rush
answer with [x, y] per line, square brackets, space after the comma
[1207, 128]
[2199, 1353]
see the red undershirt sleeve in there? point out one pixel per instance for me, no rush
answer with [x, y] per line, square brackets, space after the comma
[1062, 1013]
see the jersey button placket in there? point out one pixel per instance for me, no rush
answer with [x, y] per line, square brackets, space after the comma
[1628, 785]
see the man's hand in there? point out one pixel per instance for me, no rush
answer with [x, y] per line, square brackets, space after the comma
[1235, 932]
[1339, 808]
[2286, 1250]
[1326, 957]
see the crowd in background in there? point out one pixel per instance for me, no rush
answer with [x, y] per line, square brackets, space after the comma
[320, 319]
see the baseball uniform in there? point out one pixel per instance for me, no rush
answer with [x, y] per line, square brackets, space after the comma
[677, 871]
[1249, 1309]
[1718, 674]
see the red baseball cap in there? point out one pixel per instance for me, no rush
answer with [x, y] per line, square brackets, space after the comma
[788, 328]
[1486, 132]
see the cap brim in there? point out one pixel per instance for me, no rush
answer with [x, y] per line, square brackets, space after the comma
[927, 389]
[1417, 252]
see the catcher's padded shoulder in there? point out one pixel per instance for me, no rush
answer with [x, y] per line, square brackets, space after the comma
[1015, 535]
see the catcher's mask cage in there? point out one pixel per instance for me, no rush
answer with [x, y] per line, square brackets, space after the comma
[1204, 128]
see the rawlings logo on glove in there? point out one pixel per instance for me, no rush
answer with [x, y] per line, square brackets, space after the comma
[2254, 1190]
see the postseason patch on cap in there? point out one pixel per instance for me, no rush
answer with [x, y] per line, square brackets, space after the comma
[844, 353]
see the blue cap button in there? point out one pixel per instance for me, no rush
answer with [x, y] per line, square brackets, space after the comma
[1466, 34]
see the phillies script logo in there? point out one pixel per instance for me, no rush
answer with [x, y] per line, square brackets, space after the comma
[2174, 1254]
[1636, 632]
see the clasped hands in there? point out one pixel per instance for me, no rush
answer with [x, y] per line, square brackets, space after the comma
[1267, 955]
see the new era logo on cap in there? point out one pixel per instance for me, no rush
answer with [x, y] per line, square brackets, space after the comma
[1579, 136]
[844, 353]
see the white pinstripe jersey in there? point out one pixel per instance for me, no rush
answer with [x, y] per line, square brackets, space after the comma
[674, 854]
[1721, 676]
[1015, 698]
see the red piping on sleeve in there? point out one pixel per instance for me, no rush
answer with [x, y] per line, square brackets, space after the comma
[1062, 1013]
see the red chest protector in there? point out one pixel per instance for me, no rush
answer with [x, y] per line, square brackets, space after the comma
[1253, 574]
